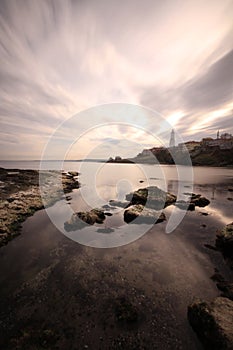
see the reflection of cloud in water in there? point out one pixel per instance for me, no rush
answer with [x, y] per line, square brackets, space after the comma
[219, 215]
[123, 186]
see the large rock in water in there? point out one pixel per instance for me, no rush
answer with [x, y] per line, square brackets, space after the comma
[199, 200]
[146, 216]
[152, 196]
[81, 219]
[196, 200]
[213, 323]
[224, 242]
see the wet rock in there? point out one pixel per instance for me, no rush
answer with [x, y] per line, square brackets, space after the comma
[115, 203]
[106, 206]
[224, 241]
[73, 173]
[217, 277]
[144, 215]
[80, 219]
[197, 200]
[152, 196]
[213, 323]
[226, 289]
[185, 205]
[10, 200]
[21, 196]
[200, 201]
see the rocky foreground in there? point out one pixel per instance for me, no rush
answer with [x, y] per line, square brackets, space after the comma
[143, 206]
[213, 321]
[20, 196]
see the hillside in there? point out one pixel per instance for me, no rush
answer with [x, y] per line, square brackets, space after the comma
[213, 156]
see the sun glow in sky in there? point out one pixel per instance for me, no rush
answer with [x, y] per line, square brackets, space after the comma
[61, 57]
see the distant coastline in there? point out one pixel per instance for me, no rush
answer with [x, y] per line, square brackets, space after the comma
[207, 152]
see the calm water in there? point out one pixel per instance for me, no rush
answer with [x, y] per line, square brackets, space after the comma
[202, 175]
[159, 273]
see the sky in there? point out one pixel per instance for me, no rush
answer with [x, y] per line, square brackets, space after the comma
[59, 58]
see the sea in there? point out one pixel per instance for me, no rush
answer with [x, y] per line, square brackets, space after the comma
[49, 277]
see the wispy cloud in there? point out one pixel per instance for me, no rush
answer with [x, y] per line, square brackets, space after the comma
[59, 57]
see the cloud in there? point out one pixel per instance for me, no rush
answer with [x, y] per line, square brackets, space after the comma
[212, 88]
[60, 57]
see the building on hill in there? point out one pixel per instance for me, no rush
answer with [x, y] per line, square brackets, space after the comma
[226, 136]
[189, 145]
[225, 141]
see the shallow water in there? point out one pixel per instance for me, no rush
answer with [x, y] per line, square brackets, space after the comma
[49, 282]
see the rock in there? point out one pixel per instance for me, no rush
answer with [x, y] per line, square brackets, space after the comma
[185, 205]
[152, 196]
[73, 173]
[115, 203]
[80, 219]
[226, 288]
[144, 215]
[217, 277]
[138, 197]
[224, 241]
[200, 201]
[22, 197]
[197, 199]
[106, 206]
[213, 323]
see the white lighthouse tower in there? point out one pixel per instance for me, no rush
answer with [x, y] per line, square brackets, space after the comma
[172, 139]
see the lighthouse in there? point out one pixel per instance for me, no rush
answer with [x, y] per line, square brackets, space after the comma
[172, 139]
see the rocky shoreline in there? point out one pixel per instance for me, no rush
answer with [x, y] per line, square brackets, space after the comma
[21, 197]
[213, 321]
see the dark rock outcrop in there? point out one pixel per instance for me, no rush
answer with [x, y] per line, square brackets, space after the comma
[146, 216]
[226, 289]
[224, 242]
[20, 196]
[152, 196]
[213, 323]
[195, 200]
[81, 219]
[185, 205]
[199, 201]
[116, 203]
